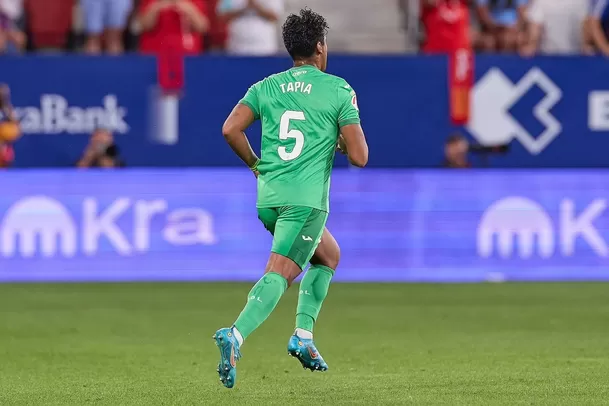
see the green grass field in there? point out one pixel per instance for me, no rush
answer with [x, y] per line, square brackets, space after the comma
[150, 344]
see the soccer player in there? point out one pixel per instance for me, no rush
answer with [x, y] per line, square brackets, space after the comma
[303, 111]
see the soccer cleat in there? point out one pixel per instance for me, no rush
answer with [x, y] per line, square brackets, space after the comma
[304, 350]
[229, 355]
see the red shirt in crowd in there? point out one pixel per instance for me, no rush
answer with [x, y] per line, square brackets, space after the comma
[447, 25]
[172, 31]
[7, 155]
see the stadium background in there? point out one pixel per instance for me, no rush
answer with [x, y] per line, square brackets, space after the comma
[183, 211]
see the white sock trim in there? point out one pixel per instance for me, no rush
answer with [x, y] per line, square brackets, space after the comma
[238, 336]
[307, 335]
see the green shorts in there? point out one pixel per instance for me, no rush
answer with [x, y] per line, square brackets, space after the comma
[296, 230]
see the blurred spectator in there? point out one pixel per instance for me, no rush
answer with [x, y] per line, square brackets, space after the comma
[172, 25]
[447, 25]
[595, 30]
[9, 128]
[12, 37]
[555, 27]
[217, 34]
[455, 152]
[49, 22]
[502, 23]
[7, 155]
[252, 26]
[101, 152]
[105, 21]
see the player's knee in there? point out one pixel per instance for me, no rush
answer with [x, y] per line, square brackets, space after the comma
[333, 257]
[283, 266]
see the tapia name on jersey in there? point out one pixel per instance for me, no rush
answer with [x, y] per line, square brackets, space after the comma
[296, 87]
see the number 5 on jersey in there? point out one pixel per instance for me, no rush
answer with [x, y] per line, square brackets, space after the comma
[285, 133]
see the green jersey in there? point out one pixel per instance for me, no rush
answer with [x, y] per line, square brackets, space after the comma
[302, 111]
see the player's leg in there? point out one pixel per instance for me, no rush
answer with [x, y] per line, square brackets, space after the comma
[315, 284]
[313, 290]
[296, 232]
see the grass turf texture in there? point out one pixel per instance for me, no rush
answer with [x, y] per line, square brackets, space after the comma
[150, 344]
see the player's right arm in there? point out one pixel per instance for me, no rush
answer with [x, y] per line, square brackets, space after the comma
[242, 116]
[352, 140]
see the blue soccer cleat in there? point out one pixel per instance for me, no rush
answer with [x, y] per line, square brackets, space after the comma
[229, 355]
[304, 350]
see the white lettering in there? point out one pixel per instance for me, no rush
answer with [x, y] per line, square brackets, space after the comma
[189, 227]
[598, 111]
[144, 212]
[55, 115]
[572, 227]
[95, 226]
[296, 87]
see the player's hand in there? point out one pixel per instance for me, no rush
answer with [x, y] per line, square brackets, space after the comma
[256, 174]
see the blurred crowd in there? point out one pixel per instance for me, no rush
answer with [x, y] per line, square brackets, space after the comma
[529, 27]
[249, 27]
[245, 27]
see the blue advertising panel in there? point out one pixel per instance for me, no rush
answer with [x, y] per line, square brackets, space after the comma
[553, 111]
[433, 226]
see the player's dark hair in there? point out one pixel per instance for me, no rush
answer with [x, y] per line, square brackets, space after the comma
[302, 33]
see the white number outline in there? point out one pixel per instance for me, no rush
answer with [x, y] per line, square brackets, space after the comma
[285, 134]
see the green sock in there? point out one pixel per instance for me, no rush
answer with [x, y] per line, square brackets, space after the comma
[313, 290]
[261, 301]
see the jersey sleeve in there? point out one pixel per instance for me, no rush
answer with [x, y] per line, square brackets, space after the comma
[348, 112]
[252, 101]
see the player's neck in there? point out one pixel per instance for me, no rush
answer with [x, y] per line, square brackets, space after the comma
[306, 62]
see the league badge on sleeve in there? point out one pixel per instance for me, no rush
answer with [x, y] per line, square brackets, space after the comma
[354, 102]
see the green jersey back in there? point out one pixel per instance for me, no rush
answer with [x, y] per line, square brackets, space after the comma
[302, 111]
